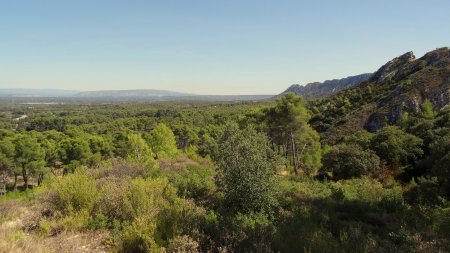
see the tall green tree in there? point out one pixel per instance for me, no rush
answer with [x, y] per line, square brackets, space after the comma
[162, 141]
[29, 156]
[6, 161]
[138, 148]
[288, 128]
[76, 151]
[50, 142]
[245, 173]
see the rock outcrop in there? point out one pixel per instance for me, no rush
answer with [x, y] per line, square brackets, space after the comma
[392, 68]
[411, 81]
[398, 87]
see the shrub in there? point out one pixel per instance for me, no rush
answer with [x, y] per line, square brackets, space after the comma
[441, 221]
[347, 161]
[72, 222]
[195, 182]
[245, 174]
[183, 244]
[396, 147]
[139, 236]
[155, 209]
[370, 190]
[426, 192]
[149, 196]
[112, 201]
[120, 168]
[361, 138]
[74, 193]
[251, 232]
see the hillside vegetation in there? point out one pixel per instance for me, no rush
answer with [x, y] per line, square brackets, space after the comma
[395, 91]
[327, 175]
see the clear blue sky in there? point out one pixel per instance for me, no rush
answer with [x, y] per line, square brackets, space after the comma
[209, 46]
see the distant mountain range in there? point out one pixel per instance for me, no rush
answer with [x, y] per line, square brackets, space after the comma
[326, 88]
[131, 93]
[116, 95]
[37, 93]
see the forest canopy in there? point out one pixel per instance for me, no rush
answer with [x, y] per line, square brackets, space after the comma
[224, 177]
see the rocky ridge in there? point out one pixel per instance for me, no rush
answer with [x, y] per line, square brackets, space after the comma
[326, 88]
[398, 87]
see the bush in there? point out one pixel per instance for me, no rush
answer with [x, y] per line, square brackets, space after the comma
[74, 193]
[195, 182]
[150, 196]
[155, 209]
[112, 201]
[347, 161]
[441, 224]
[120, 168]
[426, 192]
[251, 232]
[245, 174]
[183, 244]
[371, 191]
[397, 147]
[139, 236]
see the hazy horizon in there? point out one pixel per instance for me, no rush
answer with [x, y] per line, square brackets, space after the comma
[204, 47]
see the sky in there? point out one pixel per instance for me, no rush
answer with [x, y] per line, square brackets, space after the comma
[209, 46]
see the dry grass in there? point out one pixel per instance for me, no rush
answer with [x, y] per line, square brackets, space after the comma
[19, 233]
[18, 241]
[177, 165]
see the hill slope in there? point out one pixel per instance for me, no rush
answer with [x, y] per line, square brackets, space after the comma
[400, 86]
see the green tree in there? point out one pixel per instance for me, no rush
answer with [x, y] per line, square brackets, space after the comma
[29, 156]
[121, 144]
[426, 110]
[6, 161]
[361, 138]
[76, 151]
[440, 157]
[288, 128]
[347, 161]
[138, 149]
[245, 175]
[132, 146]
[397, 147]
[162, 141]
[50, 142]
[101, 145]
[186, 136]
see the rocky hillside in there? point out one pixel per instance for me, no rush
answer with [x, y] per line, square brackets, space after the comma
[398, 87]
[318, 90]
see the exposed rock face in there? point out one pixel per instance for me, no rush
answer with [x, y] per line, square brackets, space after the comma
[317, 89]
[390, 69]
[375, 122]
[413, 82]
[399, 86]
